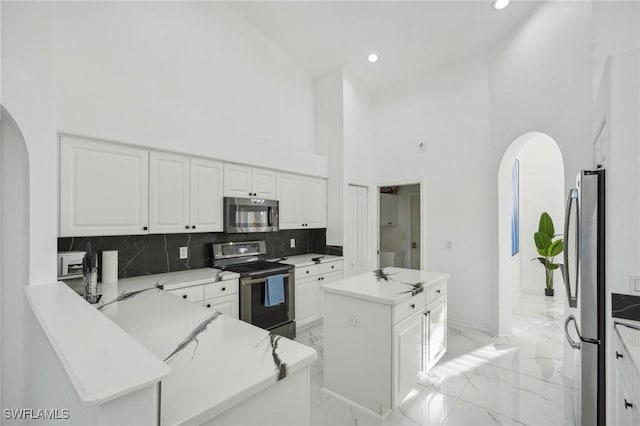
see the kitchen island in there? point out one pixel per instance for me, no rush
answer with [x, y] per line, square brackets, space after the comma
[382, 331]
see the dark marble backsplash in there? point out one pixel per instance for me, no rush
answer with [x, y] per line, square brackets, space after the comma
[625, 306]
[158, 253]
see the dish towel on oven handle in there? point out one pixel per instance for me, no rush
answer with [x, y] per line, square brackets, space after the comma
[274, 291]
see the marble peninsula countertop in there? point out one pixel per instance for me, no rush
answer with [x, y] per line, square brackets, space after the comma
[391, 291]
[216, 361]
[305, 259]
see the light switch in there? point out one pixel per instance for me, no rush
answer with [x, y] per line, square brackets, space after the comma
[449, 245]
[184, 253]
[292, 243]
[634, 283]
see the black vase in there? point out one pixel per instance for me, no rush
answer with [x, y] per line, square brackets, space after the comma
[548, 292]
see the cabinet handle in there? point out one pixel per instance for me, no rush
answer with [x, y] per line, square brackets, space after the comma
[332, 266]
[208, 305]
[184, 296]
[389, 223]
[307, 272]
[438, 291]
[627, 404]
[413, 306]
[322, 278]
[618, 355]
[186, 227]
[224, 289]
[145, 228]
[193, 227]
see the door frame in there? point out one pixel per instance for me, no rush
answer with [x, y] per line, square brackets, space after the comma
[409, 248]
[422, 191]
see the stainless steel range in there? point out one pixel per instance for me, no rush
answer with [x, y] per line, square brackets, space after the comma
[267, 289]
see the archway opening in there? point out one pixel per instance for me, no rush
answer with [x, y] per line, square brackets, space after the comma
[530, 181]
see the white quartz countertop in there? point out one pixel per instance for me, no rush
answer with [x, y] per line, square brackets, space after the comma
[305, 259]
[391, 291]
[83, 338]
[228, 362]
[630, 336]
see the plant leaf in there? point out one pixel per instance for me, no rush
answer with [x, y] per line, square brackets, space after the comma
[546, 225]
[543, 242]
[552, 266]
[541, 260]
[556, 248]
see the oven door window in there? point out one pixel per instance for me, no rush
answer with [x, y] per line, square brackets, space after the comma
[268, 316]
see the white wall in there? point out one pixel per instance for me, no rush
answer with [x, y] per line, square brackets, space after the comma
[449, 113]
[14, 221]
[541, 189]
[192, 77]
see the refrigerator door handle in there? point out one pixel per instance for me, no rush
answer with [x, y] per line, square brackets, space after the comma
[573, 196]
[572, 343]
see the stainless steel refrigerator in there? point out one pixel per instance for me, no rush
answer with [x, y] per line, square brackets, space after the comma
[584, 278]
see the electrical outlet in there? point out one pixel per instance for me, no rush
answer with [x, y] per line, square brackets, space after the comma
[634, 283]
[184, 253]
[292, 243]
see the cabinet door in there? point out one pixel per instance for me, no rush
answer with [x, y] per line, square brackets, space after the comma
[315, 203]
[168, 193]
[407, 354]
[263, 183]
[327, 278]
[307, 300]
[291, 196]
[103, 188]
[228, 305]
[206, 195]
[237, 180]
[437, 332]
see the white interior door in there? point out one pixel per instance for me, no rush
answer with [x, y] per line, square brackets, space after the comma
[357, 222]
[206, 195]
[414, 212]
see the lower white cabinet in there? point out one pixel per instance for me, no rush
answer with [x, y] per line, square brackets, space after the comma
[435, 323]
[408, 348]
[309, 281]
[627, 392]
[221, 296]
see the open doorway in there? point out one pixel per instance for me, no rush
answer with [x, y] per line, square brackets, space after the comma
[399, 230]
[530, 182]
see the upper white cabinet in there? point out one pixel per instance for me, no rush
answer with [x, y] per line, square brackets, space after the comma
[185, 194]
[206, 195]
[303, 201]
[245, 181]
[388, 209]
[168, 193]
[103, 188]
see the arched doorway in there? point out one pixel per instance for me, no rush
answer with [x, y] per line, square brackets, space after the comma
[530, 181]
[14, 255]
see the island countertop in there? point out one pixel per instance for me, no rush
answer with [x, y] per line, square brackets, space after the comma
[227, 362]
[396, 288]
[303, 260]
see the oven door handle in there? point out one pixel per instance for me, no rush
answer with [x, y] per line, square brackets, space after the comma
[261, 280]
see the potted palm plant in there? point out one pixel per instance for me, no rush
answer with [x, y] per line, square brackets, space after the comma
[548, 248]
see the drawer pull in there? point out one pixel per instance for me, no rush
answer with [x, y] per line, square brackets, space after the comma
[618, 355]
[438, 291]
[413, 306]
[184, 296]
[627, 404]
[208, 305]
[307, 272]
[224, 289]
[332, 266]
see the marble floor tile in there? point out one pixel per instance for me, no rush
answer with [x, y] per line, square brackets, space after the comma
[481, 380]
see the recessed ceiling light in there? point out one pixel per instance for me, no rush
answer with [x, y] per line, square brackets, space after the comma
[373, 57]
[499, 4]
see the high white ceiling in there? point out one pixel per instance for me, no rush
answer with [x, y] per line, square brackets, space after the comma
[411, 37]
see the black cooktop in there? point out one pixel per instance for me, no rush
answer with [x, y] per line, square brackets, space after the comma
[258, 268]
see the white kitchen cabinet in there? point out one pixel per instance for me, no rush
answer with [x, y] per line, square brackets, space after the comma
[435, 331]
[408, 340]
[103, 188]
[228, 305]
[388, 209]
[185, 194]
[206, 195]
[303, 201]
[309, 280]
[627, 374]
[244, 181]
[169, 186]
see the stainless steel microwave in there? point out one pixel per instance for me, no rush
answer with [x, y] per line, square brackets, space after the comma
[250, 215]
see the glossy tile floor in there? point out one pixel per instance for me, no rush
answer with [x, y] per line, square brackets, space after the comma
[482, 380]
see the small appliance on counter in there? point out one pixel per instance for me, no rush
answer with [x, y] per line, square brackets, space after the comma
[90, 275]
[70, 265]
[267, 289]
